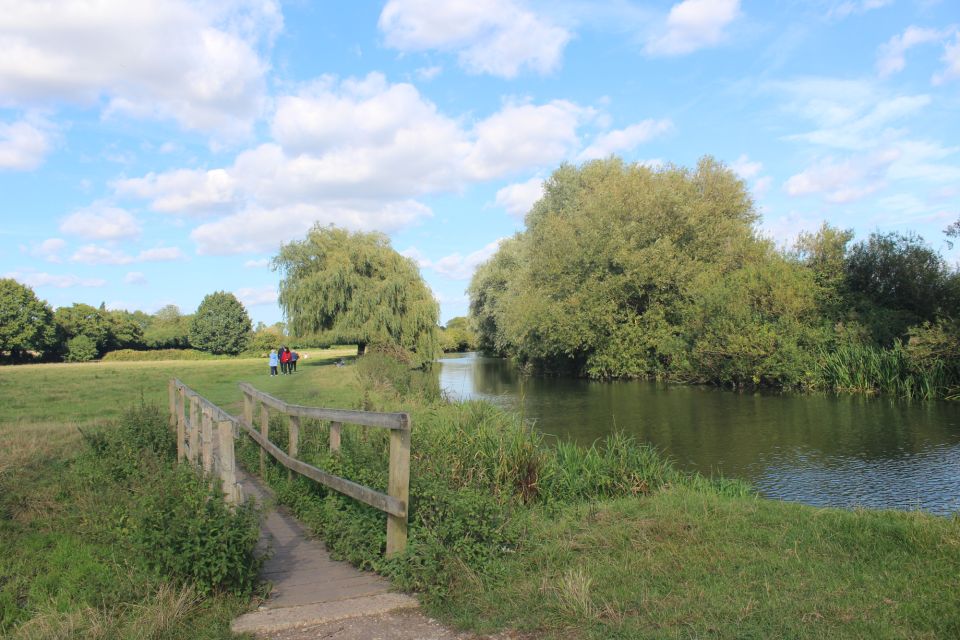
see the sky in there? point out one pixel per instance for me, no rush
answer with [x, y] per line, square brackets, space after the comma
[152, 153]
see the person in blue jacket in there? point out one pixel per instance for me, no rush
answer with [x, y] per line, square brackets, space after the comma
[274, 359]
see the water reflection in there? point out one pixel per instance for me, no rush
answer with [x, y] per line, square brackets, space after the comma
[819, 449]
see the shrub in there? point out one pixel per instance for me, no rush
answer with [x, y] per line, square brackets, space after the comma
[132, 355]
[81, 349]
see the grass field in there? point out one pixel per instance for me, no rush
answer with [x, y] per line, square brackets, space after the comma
[682, 561]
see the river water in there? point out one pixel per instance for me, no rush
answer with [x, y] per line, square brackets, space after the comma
[823, 449]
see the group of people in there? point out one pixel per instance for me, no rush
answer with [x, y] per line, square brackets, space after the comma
[285, 358]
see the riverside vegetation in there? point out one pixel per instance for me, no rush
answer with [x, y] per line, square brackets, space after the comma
[627, 271]
[612, 541]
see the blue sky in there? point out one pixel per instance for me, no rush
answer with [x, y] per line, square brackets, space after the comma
[152, 153]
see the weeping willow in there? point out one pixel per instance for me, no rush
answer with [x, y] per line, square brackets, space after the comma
[347, 288]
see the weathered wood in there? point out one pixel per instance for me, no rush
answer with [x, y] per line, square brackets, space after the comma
[356, 491]
[247, 408]
[181, 425]
[206, 440]
[335, 436]
[293, 440]
[365, 418]
[172, 397]
[228, 462]
[193, 451]
[265, 432]
[398, 486]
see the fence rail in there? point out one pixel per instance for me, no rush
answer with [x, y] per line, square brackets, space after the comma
[196, 444]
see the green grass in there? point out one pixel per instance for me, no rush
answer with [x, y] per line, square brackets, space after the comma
[88, 392]
[609, 542]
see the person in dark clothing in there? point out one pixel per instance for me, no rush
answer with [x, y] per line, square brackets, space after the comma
[294, 356]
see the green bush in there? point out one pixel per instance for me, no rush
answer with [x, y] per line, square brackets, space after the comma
[133, 355]
[81, 349]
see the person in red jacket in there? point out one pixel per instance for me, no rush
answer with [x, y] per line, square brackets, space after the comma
[285, 361]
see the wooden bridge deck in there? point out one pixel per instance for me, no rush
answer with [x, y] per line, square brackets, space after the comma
[308, 587]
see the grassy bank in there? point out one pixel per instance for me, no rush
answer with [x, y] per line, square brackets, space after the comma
[556, 542]
[614, 542]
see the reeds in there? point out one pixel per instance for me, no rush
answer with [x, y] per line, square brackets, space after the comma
[869, 369]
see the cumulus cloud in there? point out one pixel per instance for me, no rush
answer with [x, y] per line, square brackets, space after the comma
[843, 181]
[519, 197]
[182, 191]
[135, 277]
[455, 266]
[23, 145]
[197, 63]
[95, 254]
[693, 25]
[496, 37]
[256, 296]
[49, 249]
[746, 169]
[101, 221]
[257, 264]
[35, 279]
[891, 54]
[357, 153]
[160, 254]
[627, 139]
[950, 58]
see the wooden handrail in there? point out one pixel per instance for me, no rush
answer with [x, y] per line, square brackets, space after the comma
[363, 418]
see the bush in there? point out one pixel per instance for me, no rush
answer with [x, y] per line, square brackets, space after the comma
[132, 355]
[80, 349]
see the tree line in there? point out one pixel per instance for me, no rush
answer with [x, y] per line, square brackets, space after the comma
[31, 330]
[629, 271]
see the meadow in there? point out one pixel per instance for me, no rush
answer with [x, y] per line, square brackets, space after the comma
[506, 532]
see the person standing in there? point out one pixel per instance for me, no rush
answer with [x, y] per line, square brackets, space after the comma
[294, 356]
[285, 360]
[273, 362]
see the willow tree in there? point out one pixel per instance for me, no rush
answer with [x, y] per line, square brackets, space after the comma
[350, 288]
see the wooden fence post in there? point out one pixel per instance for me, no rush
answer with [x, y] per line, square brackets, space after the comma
[265, 432]
[194, 449]
[181, 424]
[228, 463]
[335, 428]
[398, 486]
[172, 394]
[206, 440]
[248, 408]
[294, 441]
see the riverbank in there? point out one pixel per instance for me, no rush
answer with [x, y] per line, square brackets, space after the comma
[602, 543]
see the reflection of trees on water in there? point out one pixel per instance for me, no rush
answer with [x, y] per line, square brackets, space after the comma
[744, 435]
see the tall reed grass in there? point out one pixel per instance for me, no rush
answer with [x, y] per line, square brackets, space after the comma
[869, 369]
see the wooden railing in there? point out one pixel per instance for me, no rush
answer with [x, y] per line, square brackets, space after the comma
[196, 444]
[195, 437]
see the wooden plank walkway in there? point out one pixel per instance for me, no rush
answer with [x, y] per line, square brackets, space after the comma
[308, 587]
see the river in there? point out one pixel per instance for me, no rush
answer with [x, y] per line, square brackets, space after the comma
[819, 449]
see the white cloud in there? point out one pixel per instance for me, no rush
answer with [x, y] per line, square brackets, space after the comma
[428, 73]
[135, 277]
[35, 279]
[521, 136]
[625, 139]
[160, 254]
[183, 191]
[890, 55]
[845, 8]
[497, 37]
[843, 181]
[519, 197]
[194, 62]
[762, 186]
[744, 168]
[455, 266]
[693, 25]
[93, 254]
[357, 153]
[49, 249]
[101, 221]
[257, 264]
[255, 296]
[951, 58]
[23, 145]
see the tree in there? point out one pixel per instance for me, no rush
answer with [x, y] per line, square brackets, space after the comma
[80, 348]
[83, 319]
[598, 281]
[897, 281]
[355, 288]
[458, 336]
[26, 322]
[220, 325]
[168, 329]
[825, 254]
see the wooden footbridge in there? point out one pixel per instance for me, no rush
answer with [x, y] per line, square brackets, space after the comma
[307, 586]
